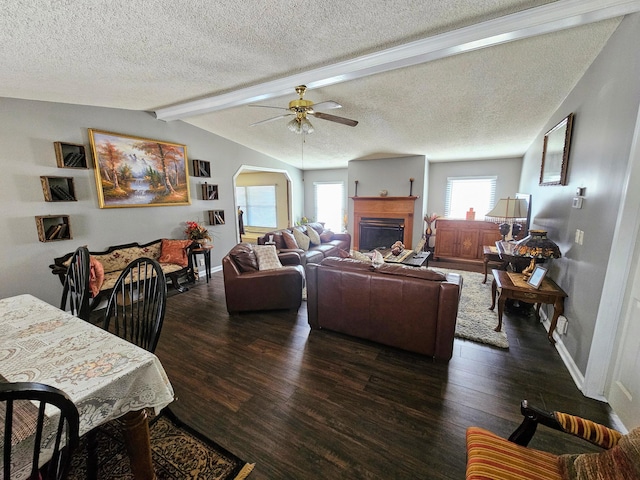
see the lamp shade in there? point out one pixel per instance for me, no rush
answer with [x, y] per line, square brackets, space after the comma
[537, 245]
[508, 210]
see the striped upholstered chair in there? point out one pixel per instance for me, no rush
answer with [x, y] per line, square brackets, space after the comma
[492, 457]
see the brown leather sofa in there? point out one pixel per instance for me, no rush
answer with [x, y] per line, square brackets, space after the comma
[404, 307]
[332, 243]
[249, 289]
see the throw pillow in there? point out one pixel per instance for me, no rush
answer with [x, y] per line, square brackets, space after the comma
[317, 226]
[174, 251]
[96, 275]
[267, 257]
[289, 239]
[314, 237]
[301, 239]
[244, 257]
[619, 462]
[326, 236]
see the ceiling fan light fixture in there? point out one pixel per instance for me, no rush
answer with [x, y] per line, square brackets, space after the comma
[300, 126]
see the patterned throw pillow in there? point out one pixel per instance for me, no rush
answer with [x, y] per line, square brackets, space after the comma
[301, 239]
[289, 239]
[314, 237]
[267, 257]
[174, 251]
[622, 461]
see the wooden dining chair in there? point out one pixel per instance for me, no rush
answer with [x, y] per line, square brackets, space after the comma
[135, 312]
[76, 292]
[30, 435]
[137, 304]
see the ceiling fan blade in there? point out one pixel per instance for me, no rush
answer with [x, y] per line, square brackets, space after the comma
[271, 119]
[266, 106]
[328, 105]
[333, 118]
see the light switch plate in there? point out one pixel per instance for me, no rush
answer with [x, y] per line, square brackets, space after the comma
[577, 202]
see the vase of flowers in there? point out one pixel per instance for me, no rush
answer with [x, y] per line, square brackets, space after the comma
[197, 233]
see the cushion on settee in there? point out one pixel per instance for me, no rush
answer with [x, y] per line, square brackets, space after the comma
[289, 240]
[314, 237]
[301, 239]
[267, 257]
[96, 275]
[174, 251]
[244, 257]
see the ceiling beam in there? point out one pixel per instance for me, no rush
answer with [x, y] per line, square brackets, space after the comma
[536, 21]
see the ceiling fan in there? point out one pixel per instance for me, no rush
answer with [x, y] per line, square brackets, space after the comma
[301, 108]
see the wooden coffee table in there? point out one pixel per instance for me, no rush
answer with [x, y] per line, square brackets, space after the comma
[512, 285]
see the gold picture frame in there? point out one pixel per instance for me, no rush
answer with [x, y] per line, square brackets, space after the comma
[139, 172]
[555, 153]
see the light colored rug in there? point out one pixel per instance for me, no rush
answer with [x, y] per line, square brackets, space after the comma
[475, 321]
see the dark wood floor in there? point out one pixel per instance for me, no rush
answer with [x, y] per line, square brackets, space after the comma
[319, 405]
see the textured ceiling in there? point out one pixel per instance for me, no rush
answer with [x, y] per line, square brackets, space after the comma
[146, 55]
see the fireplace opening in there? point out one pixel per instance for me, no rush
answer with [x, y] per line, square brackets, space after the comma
[380, 232]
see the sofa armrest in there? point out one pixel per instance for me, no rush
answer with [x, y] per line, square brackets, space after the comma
[290, 257]
[311, 274]
[448, 302]
[344, 236]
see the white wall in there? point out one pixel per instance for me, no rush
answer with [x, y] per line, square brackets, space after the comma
[27, 132]
[605, 102]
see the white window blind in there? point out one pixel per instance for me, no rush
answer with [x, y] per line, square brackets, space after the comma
[329, 200]
[469, 192]
[258, 202]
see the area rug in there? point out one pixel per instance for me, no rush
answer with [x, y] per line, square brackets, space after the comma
[475, 321]
[179, 452]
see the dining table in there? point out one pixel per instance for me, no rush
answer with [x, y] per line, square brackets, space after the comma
[106, 377]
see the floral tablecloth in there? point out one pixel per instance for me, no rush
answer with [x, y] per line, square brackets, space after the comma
[104, 375]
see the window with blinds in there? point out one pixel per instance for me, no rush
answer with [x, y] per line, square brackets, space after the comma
[329, 200]
[258, 202]
[469, 192]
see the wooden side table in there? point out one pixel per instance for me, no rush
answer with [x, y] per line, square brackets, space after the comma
[205, 251]
[491, 254]
[512, 285]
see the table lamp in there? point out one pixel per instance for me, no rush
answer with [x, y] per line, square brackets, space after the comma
[508, 212]
[537, 246]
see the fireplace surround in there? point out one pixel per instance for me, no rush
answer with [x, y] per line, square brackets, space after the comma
[384, 208]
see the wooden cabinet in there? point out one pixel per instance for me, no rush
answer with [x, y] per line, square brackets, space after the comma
[464, 238]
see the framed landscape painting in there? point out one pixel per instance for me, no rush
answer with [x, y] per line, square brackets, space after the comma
[139, 172]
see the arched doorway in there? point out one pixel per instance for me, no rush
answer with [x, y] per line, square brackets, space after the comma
[249, 177]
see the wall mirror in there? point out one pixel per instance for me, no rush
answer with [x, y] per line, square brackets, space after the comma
[555, 153]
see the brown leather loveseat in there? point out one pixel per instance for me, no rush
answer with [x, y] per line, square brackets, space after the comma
[247, 288]
[330, 243]
[404, 307]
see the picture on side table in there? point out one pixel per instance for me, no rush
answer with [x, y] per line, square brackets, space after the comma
[139, 172]
[535, 280]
